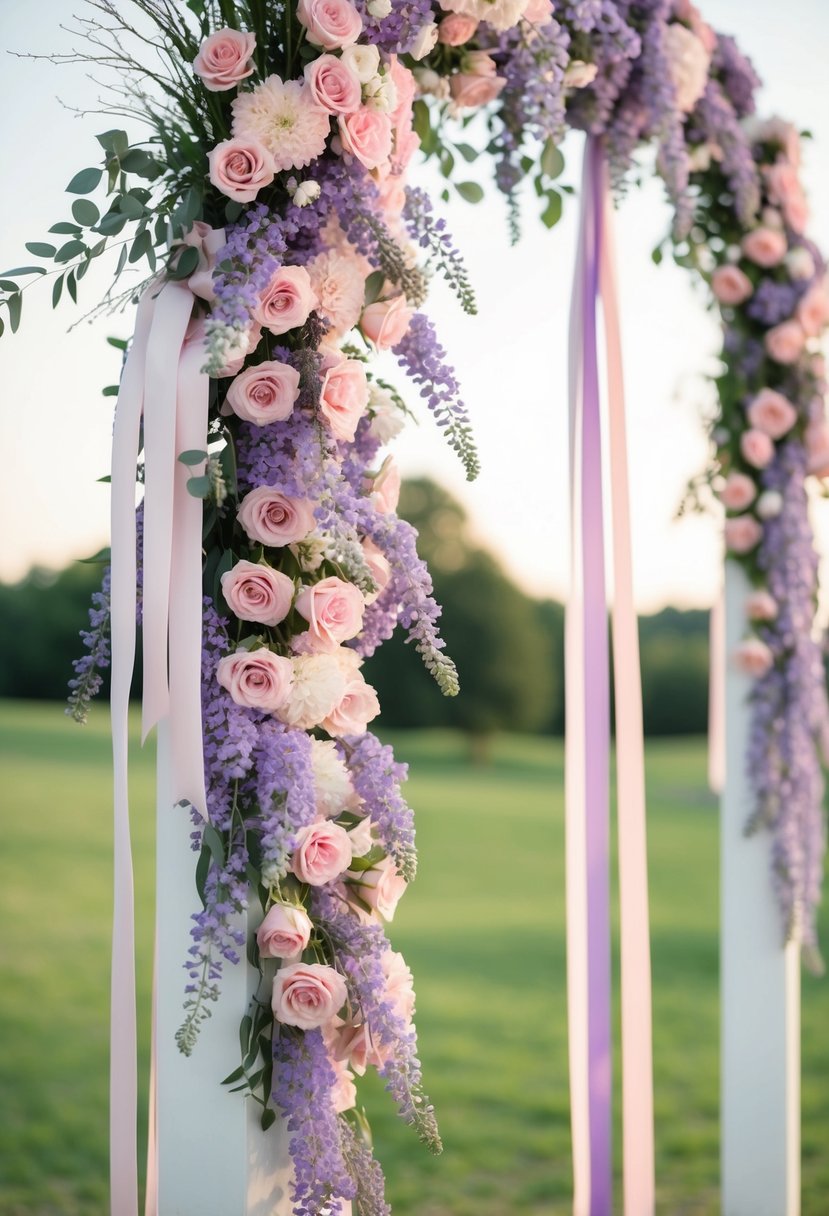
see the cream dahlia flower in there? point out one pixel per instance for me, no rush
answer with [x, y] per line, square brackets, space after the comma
[283, 117]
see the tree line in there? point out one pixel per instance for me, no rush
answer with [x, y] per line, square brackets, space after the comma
[509, 646]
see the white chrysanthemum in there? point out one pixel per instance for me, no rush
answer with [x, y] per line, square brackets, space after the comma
[688, 64]
[501, 14]
[339, 280]
[318, 687]
[332, 782]
[282, 115]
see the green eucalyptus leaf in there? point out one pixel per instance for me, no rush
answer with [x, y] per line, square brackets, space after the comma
[85, 212]
[192, 456]
[130, 206]
[268, 1118]
[85, 182]
[245, 1028]
[233, 210]
[40, 249]
[7, 274]
[212, 839]
[186, 261]
[122, 260]
[64, 228]
[70, 250]
[374, 285]
[8, 285]
[552, 161]
[142, 243]
[467, 152]
[552, 212]
[199, 487]
[111, 390]
[71, 286]
[472, 192]
[57, 291]
[112, 223]
[114, 143]
[15, 305]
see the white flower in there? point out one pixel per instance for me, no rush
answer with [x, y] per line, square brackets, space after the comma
[317, 689]
[282, 116]
[361, 838]
[701, 157]
[309, 552]
[769, 504]
[380, 93]
[379, 8]
[332, 782]
[425, 41]
[386, 418]
[688, 64]
[580, 74]
[306, 192]
[363, 61]
[500, 14]
[800, 263]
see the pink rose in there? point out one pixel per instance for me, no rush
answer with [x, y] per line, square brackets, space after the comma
[284, 933]
[785, 342]
[258, 679]
[385, 322]
[478, 83]
[742, 533]
[239, 168]
[265, 393]
[772, 412]
[456, 28]
[753, 657]
[784, 189]
[379, 568]
[322, 853]
[380, 887]
[765, 246]
[287, 301]
[333, 609]
[224, 59]
[344, 397]
[307, 995]
[817, 448]
[258, 593]
[366, 134]
[760, 606]
[386, 487]
[813, 310]
[344, 1091]
[358, 1046]
[333, 85]
[358, 706]
[738, 492]
[731, 285]
[244, 344]
[208, 242]
[274, 519]
[757, 448]
[330, 23]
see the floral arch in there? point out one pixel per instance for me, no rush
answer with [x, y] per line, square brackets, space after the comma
[275, 205]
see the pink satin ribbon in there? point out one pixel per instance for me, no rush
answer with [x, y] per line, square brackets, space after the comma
[162, 382]
[587, 753]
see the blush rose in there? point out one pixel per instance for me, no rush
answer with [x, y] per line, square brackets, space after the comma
[265, 393]
[239, 168]
[772, 413]
[257, 593]
[381, 887]
[284, 933]
[307, 995]
[757, 448]
[287, 301]
[742, 533]
[344, 397]
[785, 342]
[385, 322]
[323, 852]
[274, 519]
[765, 246]
[753, 657]
[367, 135]
[257, 679]
[357, 707]
[333, 609]
[738, 492]
[731, 285]
[224, 59]
[330, 24]
[333, 85]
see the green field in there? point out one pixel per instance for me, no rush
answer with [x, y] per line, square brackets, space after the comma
[483, 929]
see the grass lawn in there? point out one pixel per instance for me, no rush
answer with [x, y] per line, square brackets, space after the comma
[483, 929]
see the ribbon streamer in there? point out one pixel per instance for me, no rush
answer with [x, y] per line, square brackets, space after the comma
[588, 752]
[163, 384]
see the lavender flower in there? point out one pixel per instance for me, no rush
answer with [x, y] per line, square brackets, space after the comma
[284, 793]
[377, 777]
[86, 683]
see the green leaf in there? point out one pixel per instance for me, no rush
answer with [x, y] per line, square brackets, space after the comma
[227, 459]
[112, 223]
[114, 143]
[186, 262]
[212, 839]
[236, 1075]
[447, 162]
[122, 260]
[15, 304]
[202, 869]
[57, 291]
[142, 244]
[245, 1027]
[192, 456]
[552, 212]
[199, 487]
[111, 390]
[85, 182]
[467, 152]
[374, 285]
[268, 1118]
[65, 229]
[2, 327]
[8, 285]
[552, 161]
[233, 210]
[657, 256]
[103, 555]
[118, 343]
[70, 250]
[85, 212]
[130, 206]
[136, 160]
[71, 286]
[470, 191]
[421, 120]
[7, 274]
[40, 249]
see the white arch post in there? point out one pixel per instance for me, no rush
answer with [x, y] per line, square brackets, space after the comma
[759, 982]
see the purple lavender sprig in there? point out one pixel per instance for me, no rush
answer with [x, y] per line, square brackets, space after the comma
[303, 1084]
[421, 355]
[284, 793]
[370, 1197]
[377, 776]
[86, 683]
[431, 234]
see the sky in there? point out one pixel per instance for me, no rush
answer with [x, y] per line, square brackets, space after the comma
[511, 359]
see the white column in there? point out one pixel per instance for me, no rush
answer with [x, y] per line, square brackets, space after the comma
[213, 1157]
[759, 984]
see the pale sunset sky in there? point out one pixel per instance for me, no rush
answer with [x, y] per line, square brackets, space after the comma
[511, 360]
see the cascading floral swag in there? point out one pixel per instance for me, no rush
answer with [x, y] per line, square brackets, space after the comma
[273, 182]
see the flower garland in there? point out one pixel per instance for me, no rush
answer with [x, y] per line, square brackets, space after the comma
[276, 188]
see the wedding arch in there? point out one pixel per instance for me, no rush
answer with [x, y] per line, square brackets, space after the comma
[274, 204]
